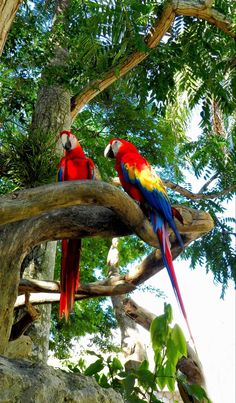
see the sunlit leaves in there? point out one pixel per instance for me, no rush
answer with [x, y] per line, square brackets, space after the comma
[168, 345]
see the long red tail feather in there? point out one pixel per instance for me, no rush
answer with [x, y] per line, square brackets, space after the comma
[167, 259]
[70, 275]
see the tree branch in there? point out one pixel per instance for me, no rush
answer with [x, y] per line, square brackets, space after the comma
[8, 9]
[199, 196]
[48, 291]
[187, 193]
[35, 215]
[28, 203]
[86, 291]
[205, 186]
[192, 8]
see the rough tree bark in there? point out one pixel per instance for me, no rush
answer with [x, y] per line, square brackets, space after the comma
[133, 349]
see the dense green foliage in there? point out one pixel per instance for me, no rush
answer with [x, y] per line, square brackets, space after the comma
[150, 106]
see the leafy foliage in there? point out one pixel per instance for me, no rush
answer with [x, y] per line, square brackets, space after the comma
[142, 384]
[30, 159]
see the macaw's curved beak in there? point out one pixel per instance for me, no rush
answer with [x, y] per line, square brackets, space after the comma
[67, 146]
[108, 153]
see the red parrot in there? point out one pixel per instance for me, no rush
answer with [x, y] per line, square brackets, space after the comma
[73, 166]
[141, 182]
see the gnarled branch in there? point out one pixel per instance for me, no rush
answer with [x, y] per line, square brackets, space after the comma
[41, 206]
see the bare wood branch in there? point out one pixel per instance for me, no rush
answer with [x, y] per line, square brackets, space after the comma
[187, 193]
[32, 314]
[97, 86]
[87, 291]
[140, 315]
[96, 288]
[8, 9]
[199, 196]
[207, 183]
[193, 8]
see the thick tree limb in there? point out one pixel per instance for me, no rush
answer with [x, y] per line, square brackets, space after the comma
[8, 9]
[31, 314]
[32, 202]
[41, 205]
[192, 8]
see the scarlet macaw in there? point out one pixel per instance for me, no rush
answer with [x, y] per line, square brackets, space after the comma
[73, 166]
[141, 182]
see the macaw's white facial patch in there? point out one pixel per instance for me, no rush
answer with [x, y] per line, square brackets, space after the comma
[69, 141]
[115, 145]
[74, 141]
[64, 138]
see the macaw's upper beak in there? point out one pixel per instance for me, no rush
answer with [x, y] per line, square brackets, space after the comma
[108, 153]
[67, 146]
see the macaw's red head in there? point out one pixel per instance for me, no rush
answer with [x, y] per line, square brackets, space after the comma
[68, 140]
[118, 147]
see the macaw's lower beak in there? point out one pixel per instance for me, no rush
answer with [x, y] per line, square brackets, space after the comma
[108, 153]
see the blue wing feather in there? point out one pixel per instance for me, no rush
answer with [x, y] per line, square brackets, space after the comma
[60, 175]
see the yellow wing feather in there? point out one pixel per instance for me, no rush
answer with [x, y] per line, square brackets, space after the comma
[150, 180]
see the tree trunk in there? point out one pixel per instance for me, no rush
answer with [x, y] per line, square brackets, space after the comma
[11, 257]
[41, 267]
[131, 341]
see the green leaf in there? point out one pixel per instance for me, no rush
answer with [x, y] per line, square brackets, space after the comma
[168, 312]
[95, 367]
[104, 382]
[159, 331]
[128, 383]
[144, 365]
[179, 340]
[146, 378]
[171, 350]
[170, 371]
[197, 392]
[160, 377]
[116, 364]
